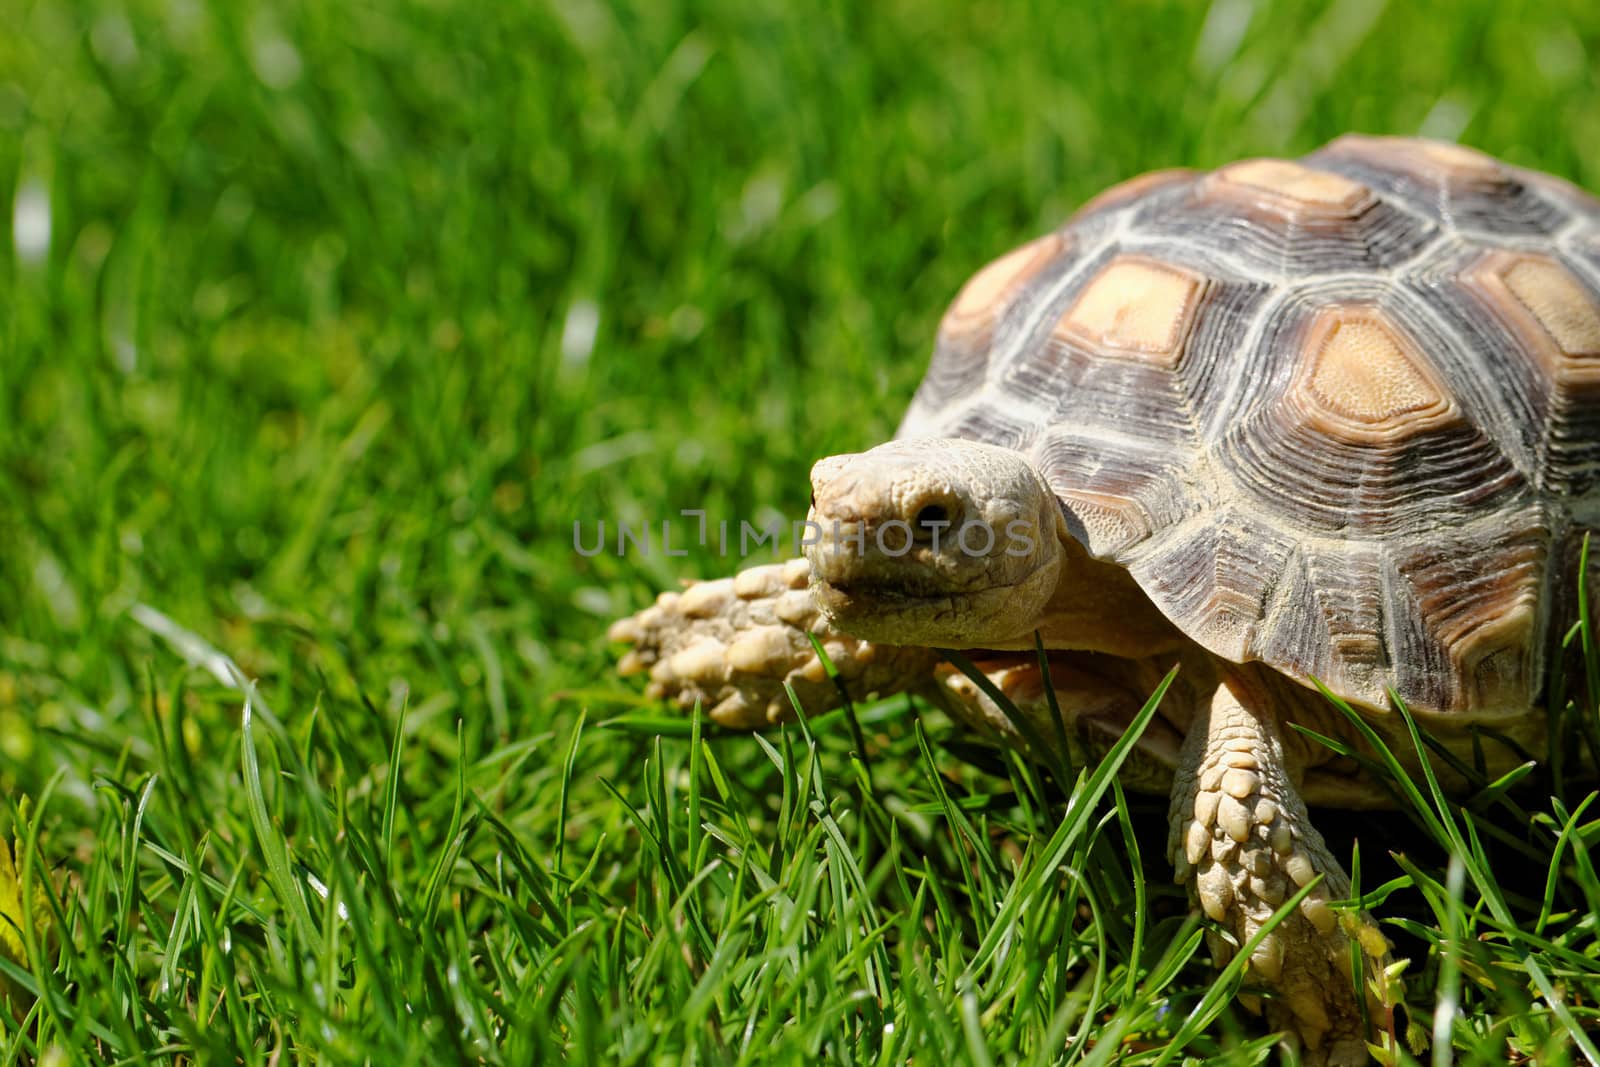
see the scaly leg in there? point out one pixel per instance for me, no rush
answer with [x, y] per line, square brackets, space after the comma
[732, 643]
[1242, 841]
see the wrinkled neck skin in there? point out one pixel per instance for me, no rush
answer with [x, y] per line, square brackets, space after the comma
[1097, 607]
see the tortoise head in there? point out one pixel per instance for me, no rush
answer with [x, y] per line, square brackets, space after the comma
[937, 541]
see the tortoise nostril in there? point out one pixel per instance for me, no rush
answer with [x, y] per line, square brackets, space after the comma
[932, 515]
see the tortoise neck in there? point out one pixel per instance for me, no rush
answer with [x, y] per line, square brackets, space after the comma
[1098, 607]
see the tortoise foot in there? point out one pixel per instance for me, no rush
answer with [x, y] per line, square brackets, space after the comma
[1244, 844]
[732, 644]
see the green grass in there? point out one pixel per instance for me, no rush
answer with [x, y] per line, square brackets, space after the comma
[349, 311]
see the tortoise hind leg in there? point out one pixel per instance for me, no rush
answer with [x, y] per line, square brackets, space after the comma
[1242, 841]
[732, 643]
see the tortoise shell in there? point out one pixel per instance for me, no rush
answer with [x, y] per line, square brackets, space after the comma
[1340, 415]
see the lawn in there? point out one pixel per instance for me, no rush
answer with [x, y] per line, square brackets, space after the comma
[321, 325]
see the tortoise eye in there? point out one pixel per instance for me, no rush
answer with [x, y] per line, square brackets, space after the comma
[933, 515]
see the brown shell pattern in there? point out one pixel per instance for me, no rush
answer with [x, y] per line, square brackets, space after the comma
[1340, 415]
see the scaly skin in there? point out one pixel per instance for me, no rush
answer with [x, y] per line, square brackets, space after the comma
[1242, 841]
[731, 644]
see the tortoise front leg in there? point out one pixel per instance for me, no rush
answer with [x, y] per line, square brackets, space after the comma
[732, 643]
[1243, 843]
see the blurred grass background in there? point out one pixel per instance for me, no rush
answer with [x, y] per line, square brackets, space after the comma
[321, 324]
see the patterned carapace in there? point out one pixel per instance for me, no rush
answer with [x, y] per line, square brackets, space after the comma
[1340, 415]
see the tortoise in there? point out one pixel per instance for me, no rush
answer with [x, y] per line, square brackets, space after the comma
[1330, 421]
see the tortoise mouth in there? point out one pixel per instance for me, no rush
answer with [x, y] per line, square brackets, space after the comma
[884, 612]
[857, 592]
[906, 590]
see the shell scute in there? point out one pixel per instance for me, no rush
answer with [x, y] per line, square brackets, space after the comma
[1476, 597]
[1381, 460]
[1328, 619]
[974, 324]
[1213, 575]
[1364, 380]
[1452, 184]
[1553, 321]
[1286, 219]
[1137, 307]
[1118, 497]
[1136, 189]
[1290, 188]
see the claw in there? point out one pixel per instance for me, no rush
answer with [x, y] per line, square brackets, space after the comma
[1222, 949]
[736, 713]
